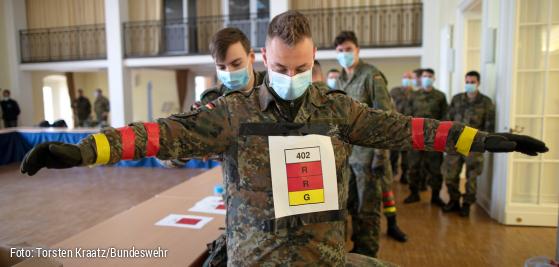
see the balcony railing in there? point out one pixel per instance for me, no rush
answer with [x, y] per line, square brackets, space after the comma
[84, 42]
[375, 26]
[188, 36]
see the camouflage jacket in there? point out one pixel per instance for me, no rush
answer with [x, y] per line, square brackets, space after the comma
[402, 99]
[367, 85]
[234, 126]
[477, 113]
[429, 104]
[101, 105]
[212, 94]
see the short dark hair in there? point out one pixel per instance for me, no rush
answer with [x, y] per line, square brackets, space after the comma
[346, 36]
[474, 74]
[333, 70]
[6, 91]
[418, 72]
[224, 38]
[290, 26]
[429, 70]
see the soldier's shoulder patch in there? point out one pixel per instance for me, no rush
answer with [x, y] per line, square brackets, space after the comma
[335, 91]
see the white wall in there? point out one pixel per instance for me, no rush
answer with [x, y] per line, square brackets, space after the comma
[4, 63]
[164, 93]
[437, 15]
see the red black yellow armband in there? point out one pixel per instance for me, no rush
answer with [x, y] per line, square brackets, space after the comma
[442, 136]
[152, 144]
[464, 143]
[128, 140]
[417, 136]
[128, 143]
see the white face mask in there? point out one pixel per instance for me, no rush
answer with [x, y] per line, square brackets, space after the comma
[290, 87]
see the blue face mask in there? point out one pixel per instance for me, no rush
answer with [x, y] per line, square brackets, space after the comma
[414, 83]
[234, 80]
[470, 88]
[345, 59]
[426, 82]
[406, 82]
[289, 88]
[332, 83]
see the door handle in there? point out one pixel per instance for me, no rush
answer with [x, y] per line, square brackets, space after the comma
[517, 129]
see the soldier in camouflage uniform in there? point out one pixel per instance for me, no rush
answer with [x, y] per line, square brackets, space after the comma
[371, 172]
[401, 95]
[234, 61]
[238, 126]
[475, 110]
[427, 103]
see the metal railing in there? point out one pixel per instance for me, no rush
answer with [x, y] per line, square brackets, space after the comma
[375, 26]
[188, 36]
[83, 42]
[397, 25]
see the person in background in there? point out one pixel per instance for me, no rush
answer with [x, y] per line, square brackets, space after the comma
[371, 182]
[332, 79]
[10, 109]
[82, 108]
[234, 64]
[428, 102]
[475, 110]
[401, 95]
[102, 108]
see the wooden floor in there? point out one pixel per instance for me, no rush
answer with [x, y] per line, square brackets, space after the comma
[442, 239]
[53, 205]
[56, 204]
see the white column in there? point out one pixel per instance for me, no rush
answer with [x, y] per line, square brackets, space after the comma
[431, 34]
[20, 82]
[504, 83]
[277, 7]
[120, 92]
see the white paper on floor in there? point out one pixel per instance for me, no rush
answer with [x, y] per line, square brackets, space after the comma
[211, 204]
[184, 221]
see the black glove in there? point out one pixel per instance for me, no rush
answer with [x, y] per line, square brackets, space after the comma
[507, 142]
[52, 155]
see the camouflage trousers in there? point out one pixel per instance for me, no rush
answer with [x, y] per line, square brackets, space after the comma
[424, 163]
[451, 169]
[394, 156]
[370, 175]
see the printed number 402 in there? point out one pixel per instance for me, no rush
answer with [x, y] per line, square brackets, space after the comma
[303, 155]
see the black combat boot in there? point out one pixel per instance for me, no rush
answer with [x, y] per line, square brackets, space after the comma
[452, 205]
[393, 229]
[436, 199]
[413, 197]
[465, 210]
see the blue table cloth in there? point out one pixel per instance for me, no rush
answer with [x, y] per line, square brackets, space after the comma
[15, 144]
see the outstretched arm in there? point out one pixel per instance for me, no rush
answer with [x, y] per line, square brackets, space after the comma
[198, 133]
[374, 128]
